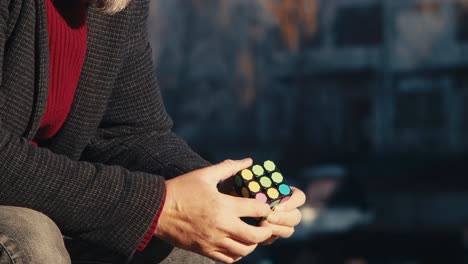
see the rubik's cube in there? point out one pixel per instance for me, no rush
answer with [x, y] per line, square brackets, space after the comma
[264, 183]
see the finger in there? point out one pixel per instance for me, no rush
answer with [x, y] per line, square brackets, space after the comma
[234, 258]
[227, 168]
[222, 257]
[288, 218]
[237, 249]
[246, 233]
[279, 230]
[297, 199]
[247, 207]
[270, 240]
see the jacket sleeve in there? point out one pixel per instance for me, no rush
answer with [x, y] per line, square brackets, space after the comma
[136, 130]
[106, 205]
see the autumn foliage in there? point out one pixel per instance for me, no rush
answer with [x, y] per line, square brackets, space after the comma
[293, 18]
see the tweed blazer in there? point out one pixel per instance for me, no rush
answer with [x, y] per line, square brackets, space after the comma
[101, 178]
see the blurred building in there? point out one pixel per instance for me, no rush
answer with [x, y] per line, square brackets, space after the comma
[342, 76]
[392, 72]
[378, 87]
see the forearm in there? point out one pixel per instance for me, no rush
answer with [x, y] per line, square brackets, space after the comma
[162, 154]
[166, 155]
[105, 205]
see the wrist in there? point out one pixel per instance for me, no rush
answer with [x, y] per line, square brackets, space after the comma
[150, 233]
[163, 211]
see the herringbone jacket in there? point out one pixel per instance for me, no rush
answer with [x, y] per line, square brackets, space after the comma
[100, 178]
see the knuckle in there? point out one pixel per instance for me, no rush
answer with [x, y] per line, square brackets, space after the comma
[251, 237]
[255, 238]
[229, 162]
[243, 235]
[258, 235]
[257, 211]
[299, 194]
[264, 237]
[274, 218]
[262, 211]
[211, 239]
[290, 232]
[230, 166]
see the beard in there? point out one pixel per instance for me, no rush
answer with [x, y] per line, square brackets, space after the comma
[110, 6]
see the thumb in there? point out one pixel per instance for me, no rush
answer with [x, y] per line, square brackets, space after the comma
[227, 169]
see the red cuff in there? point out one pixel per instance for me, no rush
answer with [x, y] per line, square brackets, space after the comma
[149, 234]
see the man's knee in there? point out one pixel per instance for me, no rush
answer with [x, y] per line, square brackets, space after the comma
[27, 236]
[161, 252]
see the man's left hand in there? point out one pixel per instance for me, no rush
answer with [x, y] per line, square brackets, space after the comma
[285, 217]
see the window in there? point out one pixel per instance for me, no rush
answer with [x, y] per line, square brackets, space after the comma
[462, 22]
[420, 104]
[359, 26]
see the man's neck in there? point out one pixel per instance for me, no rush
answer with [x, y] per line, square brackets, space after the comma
[73, 11]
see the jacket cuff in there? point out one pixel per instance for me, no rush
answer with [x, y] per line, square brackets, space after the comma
[150, 233]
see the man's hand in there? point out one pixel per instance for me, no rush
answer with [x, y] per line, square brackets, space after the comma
[198, 218]
[285, 217]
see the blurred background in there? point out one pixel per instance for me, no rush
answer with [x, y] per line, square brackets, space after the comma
[362, 103]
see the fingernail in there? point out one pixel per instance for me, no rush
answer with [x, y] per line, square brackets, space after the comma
[279, 207]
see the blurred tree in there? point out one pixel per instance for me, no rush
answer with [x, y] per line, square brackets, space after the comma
[219, 56]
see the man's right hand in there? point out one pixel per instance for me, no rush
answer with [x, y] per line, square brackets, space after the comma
[198, 218]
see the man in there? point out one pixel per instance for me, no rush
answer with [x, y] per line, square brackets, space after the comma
[87, 152]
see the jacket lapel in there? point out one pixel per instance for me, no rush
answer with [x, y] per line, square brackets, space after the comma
[106, 36]
[42, 64]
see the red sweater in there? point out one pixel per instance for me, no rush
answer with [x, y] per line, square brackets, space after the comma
[67, 27]
[67, 49]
